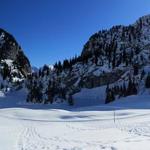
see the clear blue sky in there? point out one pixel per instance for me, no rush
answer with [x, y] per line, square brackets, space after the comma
[51, 30]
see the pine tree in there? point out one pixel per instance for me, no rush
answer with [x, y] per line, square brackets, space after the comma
[130, 38]
[124, 90]
[59, 66]
[96, 60]
[124, 56]
[2, 86]
[142, 74]
[110, 95]
[70, 100]
[56, 65]
[50, 92]
[114, 61]
[140, 23]
[40, 73]
[129, 88]
[5, 71]
[28, 99]
[35, 93]
[134, 89]
[120, 91]
[45, 70]
[62, 93]
[147, 81]
[136, 69]
[107, 99]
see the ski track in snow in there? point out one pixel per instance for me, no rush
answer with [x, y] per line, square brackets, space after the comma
[30, 139]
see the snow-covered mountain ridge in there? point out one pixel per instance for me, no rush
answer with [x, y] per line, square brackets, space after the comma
[118, 57]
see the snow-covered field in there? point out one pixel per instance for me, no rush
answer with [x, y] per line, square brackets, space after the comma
[85, 128]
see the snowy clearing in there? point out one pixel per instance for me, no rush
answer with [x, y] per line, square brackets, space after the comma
[85, 128]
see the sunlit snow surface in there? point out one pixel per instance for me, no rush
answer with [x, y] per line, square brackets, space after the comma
[35, 127]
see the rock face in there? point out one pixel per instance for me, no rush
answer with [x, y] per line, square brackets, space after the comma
[10, 50]
[135, 37]
[109, 57]
[14, 65]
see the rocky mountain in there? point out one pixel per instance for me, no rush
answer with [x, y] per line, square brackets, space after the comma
[14, 65]
[118, 57]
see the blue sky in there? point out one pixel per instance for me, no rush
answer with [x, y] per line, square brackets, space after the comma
[51, 30]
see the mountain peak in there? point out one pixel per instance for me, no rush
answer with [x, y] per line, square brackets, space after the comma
[144, 20]
[145, 17]
[10, 49]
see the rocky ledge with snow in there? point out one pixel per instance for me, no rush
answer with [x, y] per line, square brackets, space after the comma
[14, 65]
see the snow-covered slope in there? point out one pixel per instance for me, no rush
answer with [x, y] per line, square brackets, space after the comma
[124, 124]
